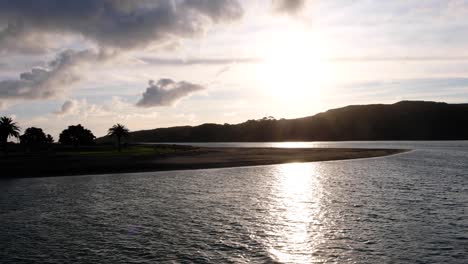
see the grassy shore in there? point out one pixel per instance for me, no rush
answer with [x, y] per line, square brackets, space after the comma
[106, 160]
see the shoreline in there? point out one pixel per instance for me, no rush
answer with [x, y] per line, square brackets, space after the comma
[189, 158]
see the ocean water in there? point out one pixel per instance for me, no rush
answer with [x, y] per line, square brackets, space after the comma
[406, 208]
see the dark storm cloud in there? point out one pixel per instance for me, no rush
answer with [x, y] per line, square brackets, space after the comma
[120, 24]
[166, 92]
[35, 26]
[288, 6]
[14, 37]
[43, 83]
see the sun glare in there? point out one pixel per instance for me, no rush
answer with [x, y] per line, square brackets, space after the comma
[292, 65]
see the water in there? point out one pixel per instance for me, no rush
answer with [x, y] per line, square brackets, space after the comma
[407, 208]
[334, 144]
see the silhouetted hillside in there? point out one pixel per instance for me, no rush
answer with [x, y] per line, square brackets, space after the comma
[406, 120]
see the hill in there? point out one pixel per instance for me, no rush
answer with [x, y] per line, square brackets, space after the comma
[406, 120]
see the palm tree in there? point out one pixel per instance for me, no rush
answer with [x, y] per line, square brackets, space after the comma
[8, 128]
[118, 131]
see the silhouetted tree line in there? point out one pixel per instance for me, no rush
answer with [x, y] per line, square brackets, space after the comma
[76, 136]
[35, 138]
[406, 120]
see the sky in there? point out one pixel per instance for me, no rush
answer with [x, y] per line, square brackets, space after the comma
[149, 63]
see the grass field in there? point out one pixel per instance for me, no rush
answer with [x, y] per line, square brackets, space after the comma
[16, 150]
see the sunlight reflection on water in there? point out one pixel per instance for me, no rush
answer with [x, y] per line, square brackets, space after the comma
[408, 208]
[295, 145]
[297, 193]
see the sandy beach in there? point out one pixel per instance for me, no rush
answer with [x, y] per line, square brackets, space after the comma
[182, 159]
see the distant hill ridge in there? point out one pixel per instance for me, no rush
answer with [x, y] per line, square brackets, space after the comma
[405, 120]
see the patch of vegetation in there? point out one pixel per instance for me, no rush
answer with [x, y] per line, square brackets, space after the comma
[126, 151]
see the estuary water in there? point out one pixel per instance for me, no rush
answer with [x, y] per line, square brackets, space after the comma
[406, 208]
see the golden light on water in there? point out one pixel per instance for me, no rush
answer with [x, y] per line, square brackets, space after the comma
[294, 144]
[296, 210]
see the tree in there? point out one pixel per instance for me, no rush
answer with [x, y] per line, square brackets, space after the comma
[118, 131]
[33, 136]
[76, 136]
[49, 139]
[8, 128]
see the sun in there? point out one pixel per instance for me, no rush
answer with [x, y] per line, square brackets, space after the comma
[292, 66]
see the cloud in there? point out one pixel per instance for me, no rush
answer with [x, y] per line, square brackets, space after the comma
[121, 24]
[69, 107]
[167, 92]
[223, 70]
[60, 73]
[448, 89]
[13, 37]
[288, 6]
[116, 107]
[199, 61]
[115, 26]
[227, 61]
[398, 58]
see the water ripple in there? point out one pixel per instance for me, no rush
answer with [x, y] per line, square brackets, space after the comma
[410, 208]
